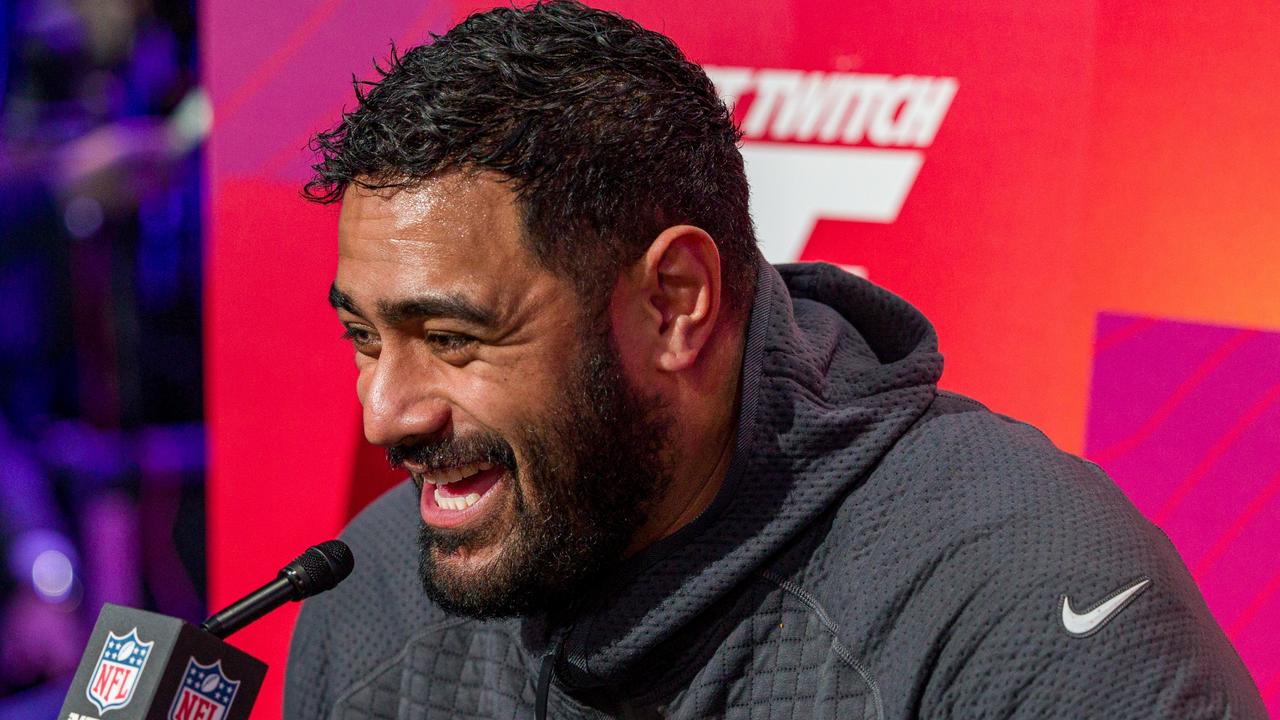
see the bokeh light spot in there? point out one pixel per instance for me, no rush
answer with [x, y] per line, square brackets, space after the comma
[83, 216]
[52, 575]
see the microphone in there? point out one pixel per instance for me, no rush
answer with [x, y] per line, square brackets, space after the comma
[319, 568]
[143, 666]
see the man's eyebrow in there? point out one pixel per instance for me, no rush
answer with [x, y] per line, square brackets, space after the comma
[436, 306]
[342, 301]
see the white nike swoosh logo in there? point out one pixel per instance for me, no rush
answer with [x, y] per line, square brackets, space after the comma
[1087, 623]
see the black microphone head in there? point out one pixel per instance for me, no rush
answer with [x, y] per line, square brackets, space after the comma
[319, 568]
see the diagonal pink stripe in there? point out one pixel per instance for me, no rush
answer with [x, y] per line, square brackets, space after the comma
[1219, 448]
[274, 164]
[273, 64]
[285, 155]
[1271, 688]
[1224, 541]
[1179, 394]
[1254, 607]
[1123, 333]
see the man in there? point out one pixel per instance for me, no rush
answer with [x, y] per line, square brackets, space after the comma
[653, 476]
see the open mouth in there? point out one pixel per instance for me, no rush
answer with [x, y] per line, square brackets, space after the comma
[452, 496]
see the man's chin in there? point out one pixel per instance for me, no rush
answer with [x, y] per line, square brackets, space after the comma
[470, 580]
[468, 565]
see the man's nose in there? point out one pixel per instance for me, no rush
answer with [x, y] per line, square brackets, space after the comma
[402, 403]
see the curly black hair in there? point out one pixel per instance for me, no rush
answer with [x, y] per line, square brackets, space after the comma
[607, 132]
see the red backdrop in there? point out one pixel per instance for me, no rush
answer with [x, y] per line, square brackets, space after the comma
[1081, 195]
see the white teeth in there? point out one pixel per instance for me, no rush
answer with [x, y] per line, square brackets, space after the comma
[456, 503]
[448, 503]
[454, 474]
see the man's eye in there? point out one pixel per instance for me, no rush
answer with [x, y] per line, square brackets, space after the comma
[446, 342]
[359, 337]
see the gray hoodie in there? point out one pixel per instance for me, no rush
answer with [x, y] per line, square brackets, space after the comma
[879, 549]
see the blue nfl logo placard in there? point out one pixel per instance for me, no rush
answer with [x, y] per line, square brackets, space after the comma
[120, 664]
[206, 693]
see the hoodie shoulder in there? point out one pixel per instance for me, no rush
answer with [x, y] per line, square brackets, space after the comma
[999, 572]
[343, 635]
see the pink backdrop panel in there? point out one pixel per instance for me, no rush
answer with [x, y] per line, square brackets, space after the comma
[281, 408]
[1184, 417]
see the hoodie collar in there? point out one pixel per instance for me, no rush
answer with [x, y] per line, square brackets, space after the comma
[834, 371]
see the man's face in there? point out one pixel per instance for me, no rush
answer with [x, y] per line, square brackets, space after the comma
[484, 377]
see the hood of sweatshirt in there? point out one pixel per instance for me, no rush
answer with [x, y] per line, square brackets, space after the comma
[835, 370]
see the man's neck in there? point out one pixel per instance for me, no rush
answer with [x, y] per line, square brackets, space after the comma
[704, 437]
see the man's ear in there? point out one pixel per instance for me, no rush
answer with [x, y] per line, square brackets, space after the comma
[678, 284]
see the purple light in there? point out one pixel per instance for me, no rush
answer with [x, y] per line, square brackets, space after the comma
[83, 217]
[52, 575]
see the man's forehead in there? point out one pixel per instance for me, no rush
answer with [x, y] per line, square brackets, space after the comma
[456, 235]
[456, 213]
[441, 205]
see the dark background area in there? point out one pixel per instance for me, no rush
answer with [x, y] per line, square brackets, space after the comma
[101, 433]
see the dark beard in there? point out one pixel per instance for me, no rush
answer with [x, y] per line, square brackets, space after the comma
[593, 460]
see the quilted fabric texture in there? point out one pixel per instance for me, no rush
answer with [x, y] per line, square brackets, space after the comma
[878, 550]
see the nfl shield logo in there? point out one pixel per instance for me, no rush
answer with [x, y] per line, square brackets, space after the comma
[120, 664]
[206, 693]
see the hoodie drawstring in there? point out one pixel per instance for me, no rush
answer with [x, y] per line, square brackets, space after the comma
[546, 671]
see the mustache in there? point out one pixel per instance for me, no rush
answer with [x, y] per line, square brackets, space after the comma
[452, 452]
